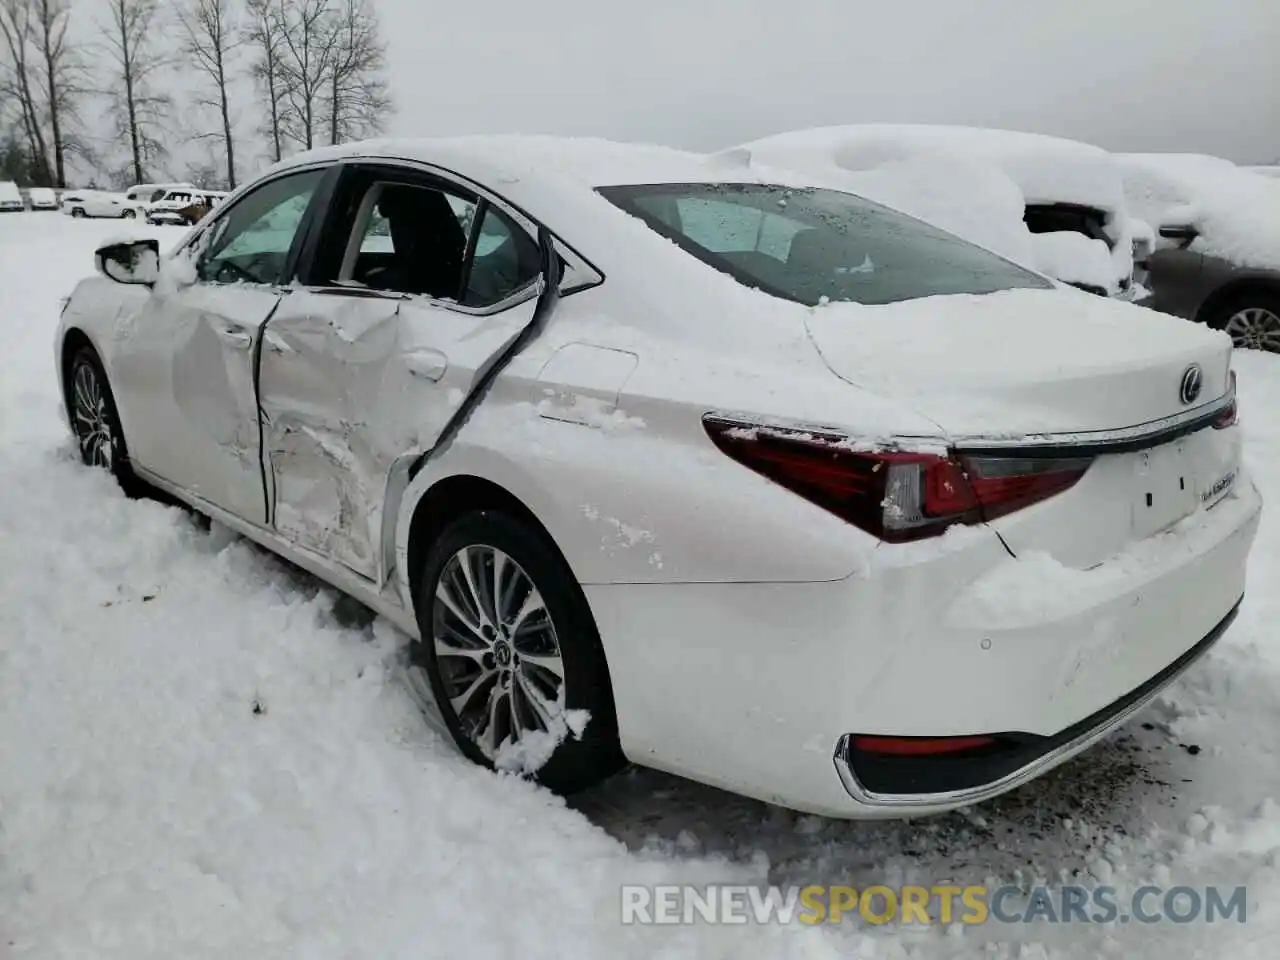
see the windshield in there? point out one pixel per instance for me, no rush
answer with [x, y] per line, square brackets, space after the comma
[810, 244]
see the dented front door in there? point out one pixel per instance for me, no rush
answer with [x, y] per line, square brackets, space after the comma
[350, 382]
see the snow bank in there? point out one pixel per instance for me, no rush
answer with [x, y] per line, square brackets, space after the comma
[1236, 212]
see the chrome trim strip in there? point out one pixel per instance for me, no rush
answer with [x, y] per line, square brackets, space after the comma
[1137, 437]
[1140, 435]
[921, 802]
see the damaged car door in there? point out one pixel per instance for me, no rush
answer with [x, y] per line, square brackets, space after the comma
[416, 286]
[190, 352]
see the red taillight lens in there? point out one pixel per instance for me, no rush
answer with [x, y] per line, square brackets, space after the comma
[920, 746]
[1231, 415]
[893, 495]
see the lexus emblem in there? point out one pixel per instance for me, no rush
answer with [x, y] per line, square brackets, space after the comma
[1192, 383]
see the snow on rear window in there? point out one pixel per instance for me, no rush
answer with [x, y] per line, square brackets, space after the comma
[812, 245]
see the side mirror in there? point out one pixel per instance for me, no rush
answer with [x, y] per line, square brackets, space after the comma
[132, 261]
[1183, 233]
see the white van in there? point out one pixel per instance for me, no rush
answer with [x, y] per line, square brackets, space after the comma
[148, 193]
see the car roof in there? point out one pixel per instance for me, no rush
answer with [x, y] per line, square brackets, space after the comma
[517, 165]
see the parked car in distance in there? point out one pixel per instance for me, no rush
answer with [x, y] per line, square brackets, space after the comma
[11, 197]
[659, 458]
[182, 207]
[1072, 200]
[145, 193]
[43, 198]
[99, 203]
[1218, 258]
[1267, 171]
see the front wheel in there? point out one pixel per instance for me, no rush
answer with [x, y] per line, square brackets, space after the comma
[94, 418]
[512, 654]
[78, 213]
[128, 214]
[1251, 320]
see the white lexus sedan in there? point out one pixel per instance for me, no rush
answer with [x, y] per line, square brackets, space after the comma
[671, 459]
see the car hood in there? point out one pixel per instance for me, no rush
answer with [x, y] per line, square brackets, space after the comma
[1022, 362]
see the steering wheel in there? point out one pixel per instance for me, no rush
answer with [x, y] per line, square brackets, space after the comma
[230, 266]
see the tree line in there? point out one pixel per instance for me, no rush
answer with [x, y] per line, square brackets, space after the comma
[102, 97]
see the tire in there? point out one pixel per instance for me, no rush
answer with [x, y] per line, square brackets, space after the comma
[128, 215]
[95, 421]
[77, 212]
[564, 626]
[1251, 319]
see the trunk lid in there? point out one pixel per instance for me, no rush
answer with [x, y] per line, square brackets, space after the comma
[1019, 365]
[1023, 362]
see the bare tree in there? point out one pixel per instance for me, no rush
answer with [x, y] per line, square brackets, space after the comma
[62, 77]
[138, 106]
[308, 55]
[357, 97]
[16, 80]
[210, 39]
[264, 32]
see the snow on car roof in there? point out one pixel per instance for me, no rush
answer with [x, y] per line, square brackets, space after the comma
[1235, 210]
[502, 160]
[1046, 169]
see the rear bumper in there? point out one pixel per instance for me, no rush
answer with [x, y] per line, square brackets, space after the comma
[755, 687]
[961, 782]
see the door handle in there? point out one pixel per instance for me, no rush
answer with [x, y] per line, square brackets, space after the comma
[427, 364]
[240, 339]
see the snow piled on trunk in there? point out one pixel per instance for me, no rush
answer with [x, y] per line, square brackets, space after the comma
[200, 761]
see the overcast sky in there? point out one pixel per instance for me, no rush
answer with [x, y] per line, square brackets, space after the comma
[1166, 75]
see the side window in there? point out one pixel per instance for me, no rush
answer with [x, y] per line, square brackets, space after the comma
[505, 260]
[409, 239]
[251, 243]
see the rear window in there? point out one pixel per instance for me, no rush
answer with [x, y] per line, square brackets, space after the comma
[811, 244]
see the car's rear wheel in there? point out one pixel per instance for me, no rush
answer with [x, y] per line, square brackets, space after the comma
[512, 655]
[1252, 320]
[77, 212]
[128, 214]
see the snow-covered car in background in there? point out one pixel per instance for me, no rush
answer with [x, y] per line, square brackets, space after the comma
[1218, 259]
[1054, 204]
[668, 460]
[1267, 171]
[181, 207]
[145, 193]
[43, 198]
[10, 197]
[99, 203]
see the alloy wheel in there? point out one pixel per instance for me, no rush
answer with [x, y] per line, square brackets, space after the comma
[1254, 328]
[497, 649]
[92, 418]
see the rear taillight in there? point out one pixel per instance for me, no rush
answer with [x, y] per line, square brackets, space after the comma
[891, 494]
[920, 746]
[1230, 415]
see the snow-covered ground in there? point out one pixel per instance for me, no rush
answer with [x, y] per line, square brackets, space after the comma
[199, 759]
